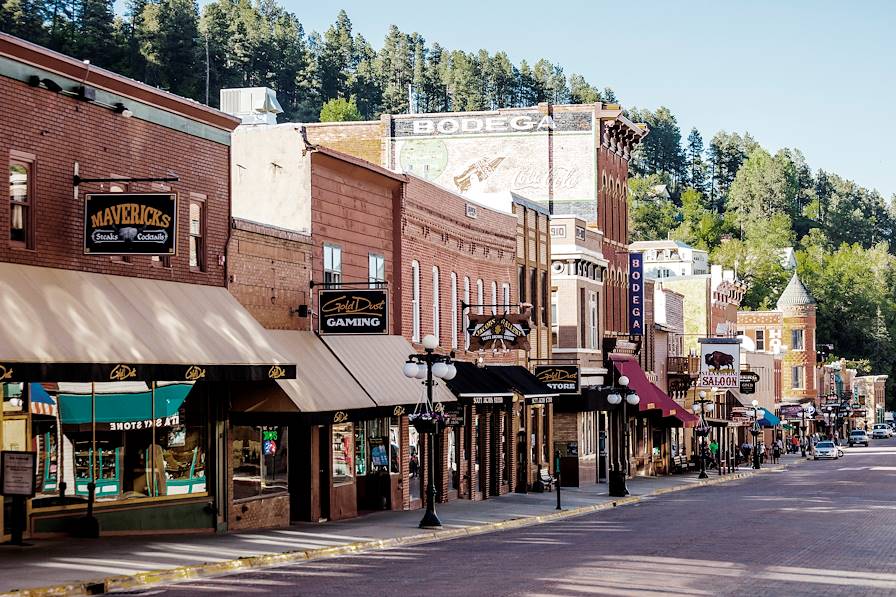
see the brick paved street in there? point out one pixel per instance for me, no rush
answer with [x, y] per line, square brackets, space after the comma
[819, 528]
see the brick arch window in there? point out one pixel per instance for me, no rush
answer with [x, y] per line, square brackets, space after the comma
[415, 301]
[454, 313]
[466, 322]
[494, 298]
[479, 295]
[435, 302]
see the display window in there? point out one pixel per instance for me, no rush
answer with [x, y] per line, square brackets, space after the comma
[260, 457]
[343, 453]
[130, 441]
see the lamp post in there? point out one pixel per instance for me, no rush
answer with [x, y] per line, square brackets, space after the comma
[803, 428]
[631, 398]
[425, 366]
[758, 413]
[701, 406]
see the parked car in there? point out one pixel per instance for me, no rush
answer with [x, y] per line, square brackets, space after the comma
[827, 449]
[881, 431]
[858, 436]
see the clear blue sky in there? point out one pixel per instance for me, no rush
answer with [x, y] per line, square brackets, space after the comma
[813, 74]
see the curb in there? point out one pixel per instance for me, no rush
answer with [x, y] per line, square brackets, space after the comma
[154, 577]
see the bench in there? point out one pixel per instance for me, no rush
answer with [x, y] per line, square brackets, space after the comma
[681, 463]
[546, 479]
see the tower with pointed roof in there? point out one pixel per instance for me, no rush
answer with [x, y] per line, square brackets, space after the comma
[797, 309]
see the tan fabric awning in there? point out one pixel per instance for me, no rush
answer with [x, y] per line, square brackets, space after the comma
[376, 362]
[63, 325]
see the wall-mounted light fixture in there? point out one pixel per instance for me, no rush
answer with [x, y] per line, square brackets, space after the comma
[120, 108]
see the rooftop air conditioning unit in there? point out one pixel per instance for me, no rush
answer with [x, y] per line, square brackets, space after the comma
[252, 105]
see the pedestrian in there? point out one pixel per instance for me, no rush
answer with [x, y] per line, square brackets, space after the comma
[746, 449]
[762, 452]
[413, 465]
[795, 442]
[714, 451]
[776, 452]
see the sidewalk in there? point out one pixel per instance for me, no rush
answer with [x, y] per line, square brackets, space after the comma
[80, 566]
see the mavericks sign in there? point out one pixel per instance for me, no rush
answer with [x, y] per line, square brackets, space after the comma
[353, 311]
[130, 223]
[563, 379]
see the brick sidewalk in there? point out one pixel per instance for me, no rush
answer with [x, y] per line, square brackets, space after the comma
[76, 562]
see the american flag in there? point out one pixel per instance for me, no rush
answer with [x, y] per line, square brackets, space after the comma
[41, 402]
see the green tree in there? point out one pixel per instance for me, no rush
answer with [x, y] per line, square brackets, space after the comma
[727, 151]
[170, 44]
[651, 214]
[700, 226]
[582, 92]
[339, 110]
[764, 185]
[394, 64]
[696, 166]
[336, 60]
[660, 152]
[24, 18]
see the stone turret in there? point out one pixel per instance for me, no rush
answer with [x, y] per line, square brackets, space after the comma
[797, 309]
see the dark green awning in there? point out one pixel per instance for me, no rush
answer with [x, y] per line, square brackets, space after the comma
[74, 409]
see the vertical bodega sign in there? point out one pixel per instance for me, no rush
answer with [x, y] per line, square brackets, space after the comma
[635, 294]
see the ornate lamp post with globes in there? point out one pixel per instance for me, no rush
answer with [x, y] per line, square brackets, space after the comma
[425, 418]
[631, 398]
[758, 413]
[701, 407]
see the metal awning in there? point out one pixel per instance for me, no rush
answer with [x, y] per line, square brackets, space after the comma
[65, 325]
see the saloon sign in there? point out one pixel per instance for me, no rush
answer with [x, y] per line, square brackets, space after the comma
[499, 332]
[130, 223]
[719, 363]
[353, 311]
[563, 379]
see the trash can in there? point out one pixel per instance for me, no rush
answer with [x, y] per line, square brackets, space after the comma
[617, 484]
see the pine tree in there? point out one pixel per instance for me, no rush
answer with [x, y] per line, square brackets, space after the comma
[336, 61]
[170, 44]
[23, 18]
[365, 86]
[696, 165]
[394, 65]
[96, 38]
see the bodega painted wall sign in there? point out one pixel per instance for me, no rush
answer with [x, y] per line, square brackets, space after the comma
[563, 379]
[130, 223]
[353, 311]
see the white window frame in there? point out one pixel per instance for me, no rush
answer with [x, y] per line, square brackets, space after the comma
[479, 298]
[466, 312]
[494, 298]
[436, 323]
[454, 307]
[332, 264]
[376, 270]
[415, 301]
[592, 320]
[802, 336]
[796, 378]
[505, 294]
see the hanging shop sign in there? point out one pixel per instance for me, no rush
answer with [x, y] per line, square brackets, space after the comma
[508, 331]
[130, 224]
[17, 473]
[353, 311]
[748, 380]
[635, 294]
[719, 363]
[563, 379]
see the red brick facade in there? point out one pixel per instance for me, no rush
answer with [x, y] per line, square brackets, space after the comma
[612, 201]
[57, 131]
[269, 271]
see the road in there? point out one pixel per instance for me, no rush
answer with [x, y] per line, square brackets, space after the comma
[824, 527]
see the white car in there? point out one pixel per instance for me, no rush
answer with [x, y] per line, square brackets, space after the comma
[881, 431]
[827, 449]
[858, 436]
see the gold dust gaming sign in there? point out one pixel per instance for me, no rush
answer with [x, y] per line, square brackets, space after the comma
[563, 379]
[130, 223]
[353, 311]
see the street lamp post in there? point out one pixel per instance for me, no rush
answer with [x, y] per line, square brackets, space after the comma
[425, 367]
[701, 407]
[631, 398]
[758, 413]
[803, 428]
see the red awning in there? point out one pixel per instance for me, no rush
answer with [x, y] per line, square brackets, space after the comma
[652, 398]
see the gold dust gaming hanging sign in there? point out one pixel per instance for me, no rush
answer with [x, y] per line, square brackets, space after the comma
[563, 379]
[508, 331]
[353, 311]
[130, 223]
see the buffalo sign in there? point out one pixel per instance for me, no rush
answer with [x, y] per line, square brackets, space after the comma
[719, 363]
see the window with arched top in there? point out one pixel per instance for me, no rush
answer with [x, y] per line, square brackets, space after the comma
[454, 307]
[479, 296]
[466, 321]
[494, 298]
[415, 301]
[436, 324]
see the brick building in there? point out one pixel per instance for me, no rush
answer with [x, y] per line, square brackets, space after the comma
[789, 333]
[130, 290]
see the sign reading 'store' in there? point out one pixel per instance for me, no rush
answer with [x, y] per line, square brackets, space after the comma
[353, 311]
[130, 224]
[563, 379]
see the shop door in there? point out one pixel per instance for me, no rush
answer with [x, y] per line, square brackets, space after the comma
[324, 445]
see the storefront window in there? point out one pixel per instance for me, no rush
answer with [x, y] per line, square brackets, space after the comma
[260, 460]
[452, 459]
[361, 449]
[343, 453]
[130, 445]
[395, 445]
